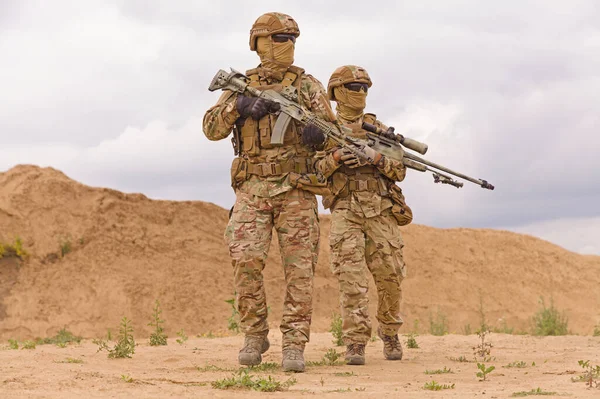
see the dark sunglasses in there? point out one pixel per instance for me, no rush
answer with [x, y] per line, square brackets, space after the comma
[283, 37]
[356, 86]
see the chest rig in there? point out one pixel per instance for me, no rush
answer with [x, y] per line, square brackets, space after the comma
[255, 135]
[363, 178]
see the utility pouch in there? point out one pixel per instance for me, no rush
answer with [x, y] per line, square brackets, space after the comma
[400, 210]
[309, 182]
[239, 172]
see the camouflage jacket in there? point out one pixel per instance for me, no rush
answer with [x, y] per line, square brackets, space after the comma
[220, 119]
[369, 202]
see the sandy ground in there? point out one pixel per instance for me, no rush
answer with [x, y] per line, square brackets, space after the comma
[174, 370]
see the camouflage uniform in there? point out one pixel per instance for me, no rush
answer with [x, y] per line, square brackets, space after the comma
[263, 177]
[365, 235]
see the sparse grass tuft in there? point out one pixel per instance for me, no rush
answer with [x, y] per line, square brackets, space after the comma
[158, 337]
[182, 337]
[212, 368]
[70, 360]
[336, 329]
[28, 345]
[65, 245]
[345, 374]
[460, 359]
[503, 328]
[521, 364]
[548, 320]
[439, 325]
[440, 371]
[13, 344]
[15, 249]
[243, 380]
[434, 386]
[264, 367]
[533, 392]
[62, 338]
[128, 379]
[596, 332]
[330, 358]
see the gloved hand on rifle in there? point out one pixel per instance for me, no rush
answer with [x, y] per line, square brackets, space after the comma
[255, 107]
[312, 136]
[351, 160]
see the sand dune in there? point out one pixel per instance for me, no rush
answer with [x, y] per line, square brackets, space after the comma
[128, 250]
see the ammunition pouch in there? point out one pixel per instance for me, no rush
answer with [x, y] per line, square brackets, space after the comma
[400, 210]
[310, 182]
[239, 172]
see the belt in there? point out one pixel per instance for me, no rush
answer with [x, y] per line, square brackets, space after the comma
[364, 185]
[265, 169]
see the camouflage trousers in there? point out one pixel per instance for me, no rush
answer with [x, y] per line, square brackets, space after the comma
[294, 214]
[360, 245]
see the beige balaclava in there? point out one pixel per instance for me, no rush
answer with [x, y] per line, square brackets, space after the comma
[350, 104]
[275, 56]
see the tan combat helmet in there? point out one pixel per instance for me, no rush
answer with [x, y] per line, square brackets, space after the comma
[346, 74]
[272, 23]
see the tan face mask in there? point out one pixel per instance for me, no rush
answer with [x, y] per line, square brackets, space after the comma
[276, 56]
[350, 104]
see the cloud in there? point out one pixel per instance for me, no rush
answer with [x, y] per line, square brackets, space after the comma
[113, 93]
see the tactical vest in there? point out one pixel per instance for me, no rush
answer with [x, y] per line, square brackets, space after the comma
[363, 178]
[255, 135]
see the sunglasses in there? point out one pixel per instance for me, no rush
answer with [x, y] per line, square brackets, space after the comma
[356, 86]
[283, 37]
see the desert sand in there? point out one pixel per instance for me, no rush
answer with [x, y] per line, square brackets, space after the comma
[126, 251]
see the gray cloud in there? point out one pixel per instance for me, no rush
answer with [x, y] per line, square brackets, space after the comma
[113, 92]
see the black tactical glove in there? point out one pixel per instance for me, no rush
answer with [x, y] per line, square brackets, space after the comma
[255, 107]
[312, 136]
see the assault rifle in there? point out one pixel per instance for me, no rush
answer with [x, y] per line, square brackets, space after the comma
[290, 109]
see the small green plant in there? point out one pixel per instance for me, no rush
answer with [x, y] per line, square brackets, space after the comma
[533, 392]
[243, 380]
[374, 338]
[434, 386]
[65, 246]
[460, 359]
[445, 370]
[182, 337]
[15, 249]
[439, 325]
[521, 364]
[345, 374]
[70, 360]
[411, 341]
[233, 322]
[125, 346]
[158, 337]
[596, 332]
[265, 367]
[330, 358]
[336, 329]
[484, 371]
[28, 345]
[126, 378]
[484, 348]
[549, 321]
[212, 368]
[13, 344]
[62, 338]
[591, 374]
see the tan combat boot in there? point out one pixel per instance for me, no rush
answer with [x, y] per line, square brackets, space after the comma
[250, 354]
[355, 354]
[293, 360]
[392, 349]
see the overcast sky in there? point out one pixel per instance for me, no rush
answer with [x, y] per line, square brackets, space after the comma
[113, 93]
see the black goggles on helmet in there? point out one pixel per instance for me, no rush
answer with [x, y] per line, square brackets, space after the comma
[356, 86]
[283, 37]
